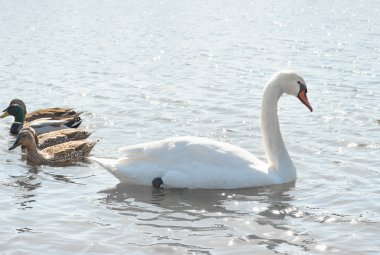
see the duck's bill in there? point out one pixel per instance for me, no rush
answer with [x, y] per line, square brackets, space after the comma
[302, 96]
[5, 114]
[15, 145]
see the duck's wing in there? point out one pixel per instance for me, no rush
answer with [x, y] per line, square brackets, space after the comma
[45, 125]
[69, 151]
[71, 134]
[55, 122]
[51, 113]
[46, 122]
[62, 136]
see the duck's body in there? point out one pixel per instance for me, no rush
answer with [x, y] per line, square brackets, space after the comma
[60, 153]
[57, 137]
[42, 125]
[61, 136]
[194, 162]
[53, 155]
[51, 113]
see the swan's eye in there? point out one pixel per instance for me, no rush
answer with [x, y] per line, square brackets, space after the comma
[302, 87]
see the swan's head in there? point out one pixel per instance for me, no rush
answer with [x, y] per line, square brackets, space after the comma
[293, 84]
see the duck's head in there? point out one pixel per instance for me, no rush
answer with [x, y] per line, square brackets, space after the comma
[20, 103]
[25, 137]
[16, 110]
[293, 84]
[31, 130]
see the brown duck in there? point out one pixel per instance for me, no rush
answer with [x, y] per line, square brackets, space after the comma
[53, 155]
[60, 136]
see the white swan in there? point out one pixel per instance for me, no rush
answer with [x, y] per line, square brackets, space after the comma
[195, 162]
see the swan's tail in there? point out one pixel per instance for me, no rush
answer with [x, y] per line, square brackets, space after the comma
[107, 163]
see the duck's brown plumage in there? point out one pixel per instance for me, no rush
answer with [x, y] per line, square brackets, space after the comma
[66, 152]
[56, 112]
[52, 113]
[56, 154]
[60, 136]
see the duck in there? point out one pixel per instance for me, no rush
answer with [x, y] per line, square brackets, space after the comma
[56, 112]
[42, 125]
[54, 155]
[203, 163]
[59, 136]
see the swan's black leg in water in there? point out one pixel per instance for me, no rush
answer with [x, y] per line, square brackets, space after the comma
[157, 182]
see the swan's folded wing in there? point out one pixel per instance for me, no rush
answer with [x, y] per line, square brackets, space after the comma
[189, 150]
[141, 150]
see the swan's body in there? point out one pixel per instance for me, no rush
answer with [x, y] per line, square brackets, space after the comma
[194, 162]
[190, 162]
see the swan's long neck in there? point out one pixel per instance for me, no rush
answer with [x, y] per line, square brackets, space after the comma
[276, 153]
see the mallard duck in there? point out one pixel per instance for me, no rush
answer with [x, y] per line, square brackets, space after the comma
[60, 136]
[202, 163]
[42, 125]
[53, 155]
[55, 112]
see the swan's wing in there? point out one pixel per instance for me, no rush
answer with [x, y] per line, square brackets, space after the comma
[179, 150]
[190, 162]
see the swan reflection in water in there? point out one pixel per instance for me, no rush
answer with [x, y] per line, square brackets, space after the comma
[194, 199]
[258, 212]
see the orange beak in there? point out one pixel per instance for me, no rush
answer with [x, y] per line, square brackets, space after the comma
[302, 96]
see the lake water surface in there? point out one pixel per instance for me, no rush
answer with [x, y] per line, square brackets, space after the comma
[146, 70]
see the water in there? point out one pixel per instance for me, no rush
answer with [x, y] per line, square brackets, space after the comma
[146, 70]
